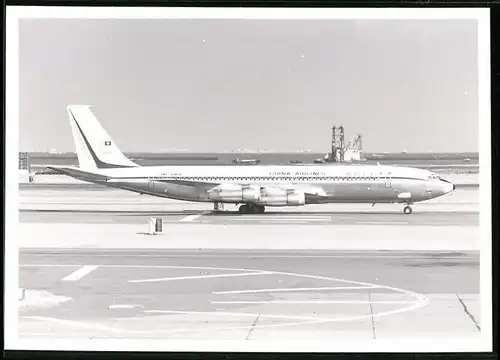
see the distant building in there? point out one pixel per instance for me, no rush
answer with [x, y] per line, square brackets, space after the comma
[23, 163]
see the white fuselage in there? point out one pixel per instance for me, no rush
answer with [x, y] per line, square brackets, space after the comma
[319, 184]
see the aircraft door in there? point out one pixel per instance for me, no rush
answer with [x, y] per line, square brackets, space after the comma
[388, 182]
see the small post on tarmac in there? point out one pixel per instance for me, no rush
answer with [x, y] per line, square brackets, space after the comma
[152, 226]
[159, 225]
[155, 226]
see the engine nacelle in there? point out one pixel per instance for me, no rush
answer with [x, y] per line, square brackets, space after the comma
[281, 197]
[235, 193]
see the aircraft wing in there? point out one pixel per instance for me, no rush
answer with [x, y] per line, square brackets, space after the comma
[185, 182]
[317, 193]
[308, 191]
[312, 192]
[194, 183]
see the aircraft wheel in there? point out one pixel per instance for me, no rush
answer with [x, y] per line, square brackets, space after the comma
[407, 210]
[244, 209]
[258, 209]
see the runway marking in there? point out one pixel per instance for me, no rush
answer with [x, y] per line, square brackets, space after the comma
[281, 216]
[117, 306]
[277, 219]
[85, 221]
[383, 222]
[304, 321]
[420, 302]
[202, 277]
[294, 289]
[190, 218]
[291, 220]
[310, 302]
[78, 274]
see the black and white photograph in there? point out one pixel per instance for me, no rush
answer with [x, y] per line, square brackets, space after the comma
[274, 180]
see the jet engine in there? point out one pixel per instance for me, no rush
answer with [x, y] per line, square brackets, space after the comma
[234, 193]
[281, 197]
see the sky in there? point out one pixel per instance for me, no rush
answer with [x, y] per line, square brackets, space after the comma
[219, 85]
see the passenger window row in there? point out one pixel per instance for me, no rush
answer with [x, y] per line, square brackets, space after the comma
[326, 178]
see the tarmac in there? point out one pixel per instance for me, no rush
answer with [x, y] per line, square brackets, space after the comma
[249, 295]
[429, 218]
[89, 269]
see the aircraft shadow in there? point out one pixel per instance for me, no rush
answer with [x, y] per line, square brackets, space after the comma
[305, 213]
[229, 213]
[112, 212]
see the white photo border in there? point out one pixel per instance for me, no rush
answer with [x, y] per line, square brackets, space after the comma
[14, 14]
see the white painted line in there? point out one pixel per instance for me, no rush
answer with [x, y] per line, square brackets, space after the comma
[383, 222]
[202, 277]
[190, 218]
[286, 217]
[422, 298]
[311, 302]
[117, 306]
[296, 222]
[78, 274]
[296, 289]
[420, 302]
[277, 218]
[225, 313]
[291, 220]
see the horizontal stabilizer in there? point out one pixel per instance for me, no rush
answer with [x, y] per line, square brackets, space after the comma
[79, 174]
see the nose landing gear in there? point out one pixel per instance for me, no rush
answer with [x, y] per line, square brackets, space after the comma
[407, 209]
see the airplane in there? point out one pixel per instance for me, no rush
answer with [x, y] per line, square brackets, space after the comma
[246, 161]
[252, 188]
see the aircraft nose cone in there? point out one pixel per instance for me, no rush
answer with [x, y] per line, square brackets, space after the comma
[448, 188]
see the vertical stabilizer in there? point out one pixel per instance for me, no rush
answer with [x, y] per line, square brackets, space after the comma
[94, 147]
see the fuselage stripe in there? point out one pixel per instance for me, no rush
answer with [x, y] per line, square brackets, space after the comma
[265, 178]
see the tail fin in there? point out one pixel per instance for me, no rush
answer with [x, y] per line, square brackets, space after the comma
[94, 147]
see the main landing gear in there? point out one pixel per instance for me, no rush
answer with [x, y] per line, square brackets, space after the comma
[251, 209]
[407, 209]
[218, 207]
